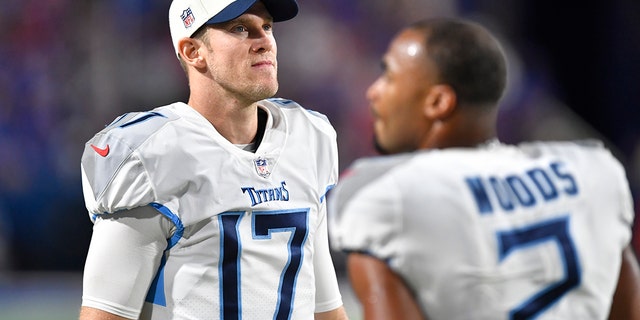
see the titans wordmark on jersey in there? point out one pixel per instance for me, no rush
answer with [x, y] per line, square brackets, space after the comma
[245, 223]
[495, 232]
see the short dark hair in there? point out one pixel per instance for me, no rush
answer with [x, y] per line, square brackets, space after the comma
[468, 58]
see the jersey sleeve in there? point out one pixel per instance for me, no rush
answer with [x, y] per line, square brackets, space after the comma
[333, 168]
[365, 210]
[123, 257]
[327, 291]
[626, 199]
[114, 175]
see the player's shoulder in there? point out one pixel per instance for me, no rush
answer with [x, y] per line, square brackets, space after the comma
[296, 112]
[587, 150]
[115, 158]
[377, 165]
[367, 170]
[130, 130]
[135, 127]
[585, 145]
[290, 106]
[114, 144]
[529, 150]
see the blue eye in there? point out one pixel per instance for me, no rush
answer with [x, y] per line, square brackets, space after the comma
[239, 29]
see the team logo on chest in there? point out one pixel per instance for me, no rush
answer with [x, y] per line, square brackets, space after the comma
[263, 167]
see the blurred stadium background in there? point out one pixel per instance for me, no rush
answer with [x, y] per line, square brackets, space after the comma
[67, 68]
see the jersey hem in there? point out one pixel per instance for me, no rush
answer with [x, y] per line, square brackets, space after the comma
[329, 305]
[107, 306]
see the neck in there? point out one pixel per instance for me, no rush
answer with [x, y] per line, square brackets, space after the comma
[466, 128]
[236, 121]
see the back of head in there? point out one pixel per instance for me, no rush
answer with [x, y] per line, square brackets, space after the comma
[468, 57]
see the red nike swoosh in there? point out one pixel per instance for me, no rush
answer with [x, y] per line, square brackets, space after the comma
[102, 152]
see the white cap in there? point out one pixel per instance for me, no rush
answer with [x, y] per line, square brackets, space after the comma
[187, 16]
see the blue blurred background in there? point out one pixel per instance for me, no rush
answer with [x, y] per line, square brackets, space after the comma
[67, 68]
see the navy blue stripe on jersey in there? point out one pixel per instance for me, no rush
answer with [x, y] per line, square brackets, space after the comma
[229, 268]
[118, 119]
[142, 118]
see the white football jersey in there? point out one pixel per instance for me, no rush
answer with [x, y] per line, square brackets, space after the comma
[494, 232]
[246, 224]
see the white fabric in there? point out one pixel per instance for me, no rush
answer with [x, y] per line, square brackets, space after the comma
[326, 299]
[129, 247]
[268, 205]
[436, 218]
[187, 16]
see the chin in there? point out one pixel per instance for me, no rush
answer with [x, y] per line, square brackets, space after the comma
[270, 87]
[264, 92]
[379, 148]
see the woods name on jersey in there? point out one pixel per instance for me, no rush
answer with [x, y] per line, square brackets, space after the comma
[259, 196]
[539, 184]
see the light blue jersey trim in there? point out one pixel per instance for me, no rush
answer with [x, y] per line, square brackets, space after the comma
[174, 219]
[326, 191]
[156, 289]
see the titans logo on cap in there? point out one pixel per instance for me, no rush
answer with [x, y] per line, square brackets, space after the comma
[187, 17]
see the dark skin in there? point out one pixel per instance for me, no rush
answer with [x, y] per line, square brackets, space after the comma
[382, 293]
[626, 300]
[413, 111]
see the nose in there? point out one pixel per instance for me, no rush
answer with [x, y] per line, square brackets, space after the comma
[372, 93]
[263, 41]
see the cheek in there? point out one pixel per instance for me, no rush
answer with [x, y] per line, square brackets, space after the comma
[396, 104]
[399, 114]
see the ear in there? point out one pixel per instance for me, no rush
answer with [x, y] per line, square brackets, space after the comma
[189, 51]
[440, 102]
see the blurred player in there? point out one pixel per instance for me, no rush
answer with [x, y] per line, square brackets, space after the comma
[457, 225]
[214, 209]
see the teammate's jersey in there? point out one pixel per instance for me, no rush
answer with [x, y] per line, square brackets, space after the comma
[498, 232]
[245, 223]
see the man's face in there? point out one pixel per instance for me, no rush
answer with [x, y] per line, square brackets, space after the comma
[241, 55]
[397, 97]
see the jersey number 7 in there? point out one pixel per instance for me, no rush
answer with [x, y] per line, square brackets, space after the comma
[556, 230]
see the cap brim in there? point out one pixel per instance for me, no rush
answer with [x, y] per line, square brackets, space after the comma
[280, 10]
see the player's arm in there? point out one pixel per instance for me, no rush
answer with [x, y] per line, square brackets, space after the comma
[123, 258]
[381, 292]
[626, 300]
[97, 314]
